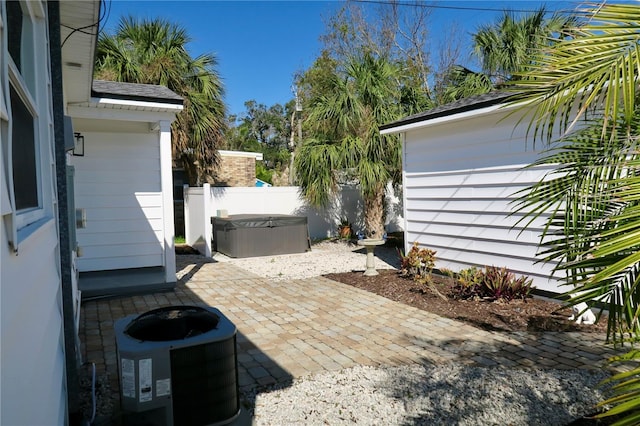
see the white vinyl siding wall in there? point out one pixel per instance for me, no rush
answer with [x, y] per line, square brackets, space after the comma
[32, 377]
[118, 185]
[460, 178]
[33, 365]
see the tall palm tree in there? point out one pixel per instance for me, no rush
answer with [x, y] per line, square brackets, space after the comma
[503, 49]
[154, 52]
[586, 89]
[347, 145]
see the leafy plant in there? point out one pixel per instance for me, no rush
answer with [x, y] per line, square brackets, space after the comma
[467, 283]
[491, 284]
[625, 392]
[594, 74]
[502, 284]
[418, 263]
[344, 229]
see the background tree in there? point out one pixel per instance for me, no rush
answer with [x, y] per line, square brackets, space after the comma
[594, 229]
[503, 49]
[265, 130]
[374, 67]
[346, 145]
[154, 52]
[397, 31]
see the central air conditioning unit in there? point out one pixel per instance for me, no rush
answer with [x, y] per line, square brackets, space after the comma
[178, 366]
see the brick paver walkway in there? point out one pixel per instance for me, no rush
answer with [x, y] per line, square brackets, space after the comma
[294, 328]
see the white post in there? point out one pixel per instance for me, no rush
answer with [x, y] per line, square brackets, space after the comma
[187, 222]
[166, 185]
[208, 214]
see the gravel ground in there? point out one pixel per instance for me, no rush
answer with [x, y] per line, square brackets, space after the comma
[413, 394]
[449, 394]
[324, 258]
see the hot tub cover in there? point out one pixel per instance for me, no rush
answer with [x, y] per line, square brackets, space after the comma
[248, 235]
[251, 221]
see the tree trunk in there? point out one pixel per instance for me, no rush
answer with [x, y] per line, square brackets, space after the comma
[374, 213]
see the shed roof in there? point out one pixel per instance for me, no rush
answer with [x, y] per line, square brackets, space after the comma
[134, 92]
[467, 104]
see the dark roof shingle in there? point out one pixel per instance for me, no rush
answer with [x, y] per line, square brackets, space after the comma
[467, 104]
[134, 92]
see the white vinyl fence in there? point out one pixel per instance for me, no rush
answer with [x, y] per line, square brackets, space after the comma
[203, 203]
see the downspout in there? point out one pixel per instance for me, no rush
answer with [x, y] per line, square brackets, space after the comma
[71, 350]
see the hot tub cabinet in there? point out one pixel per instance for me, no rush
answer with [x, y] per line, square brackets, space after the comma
[247, 235]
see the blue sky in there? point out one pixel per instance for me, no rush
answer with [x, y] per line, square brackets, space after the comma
[260, 45]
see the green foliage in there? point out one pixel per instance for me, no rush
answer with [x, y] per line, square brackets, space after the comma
[470, 276]
[263, 173]
[491, 284]
[418, 263]
[511, 44]
[626, 392]
[594, 229]
[266, 130]
[346, 145]
[154, 51]
[504, 49]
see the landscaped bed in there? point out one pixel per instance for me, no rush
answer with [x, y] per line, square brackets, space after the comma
[531, 314]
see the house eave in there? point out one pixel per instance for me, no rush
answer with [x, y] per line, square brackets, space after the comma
[420, 124]
[79, 28]
[122, 110]
[133, 105]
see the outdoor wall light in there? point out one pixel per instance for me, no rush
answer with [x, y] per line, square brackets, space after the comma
[78, 149]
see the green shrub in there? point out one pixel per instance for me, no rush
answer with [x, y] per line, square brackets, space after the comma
[492, 284]
[418, 263]
[467, 284]
[502, 284]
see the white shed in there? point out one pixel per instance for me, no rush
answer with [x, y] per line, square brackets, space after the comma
[124, 189]
[462, 164]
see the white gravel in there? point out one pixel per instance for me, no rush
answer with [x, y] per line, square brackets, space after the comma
[324, 258]
[450, 394]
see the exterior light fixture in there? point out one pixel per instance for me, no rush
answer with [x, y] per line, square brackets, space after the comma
[78, 148]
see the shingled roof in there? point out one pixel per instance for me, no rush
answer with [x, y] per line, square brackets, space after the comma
[134, 92]
[467, 104]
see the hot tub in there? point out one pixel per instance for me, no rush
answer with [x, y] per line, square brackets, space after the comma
[246, 235]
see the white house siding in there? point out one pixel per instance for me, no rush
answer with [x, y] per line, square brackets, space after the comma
[118, 184]
[32, 349]
[460, 178]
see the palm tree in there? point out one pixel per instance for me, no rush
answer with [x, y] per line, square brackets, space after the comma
[506, 46]
[586, 89]
[503, 48]
[347, 145]
[154, 52]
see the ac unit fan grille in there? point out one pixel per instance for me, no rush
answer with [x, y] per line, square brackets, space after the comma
[204, 383]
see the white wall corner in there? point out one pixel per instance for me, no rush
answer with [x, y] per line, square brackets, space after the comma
[208, 214]
[166, 185]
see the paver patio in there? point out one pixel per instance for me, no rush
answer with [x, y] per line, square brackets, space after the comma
[288, 329]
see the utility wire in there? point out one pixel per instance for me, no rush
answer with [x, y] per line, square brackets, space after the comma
[435, 6]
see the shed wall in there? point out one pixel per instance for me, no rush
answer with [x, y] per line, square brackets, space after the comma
[460, 179]
[118, 184]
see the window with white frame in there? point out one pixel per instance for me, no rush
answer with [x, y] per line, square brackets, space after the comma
[27, 100]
